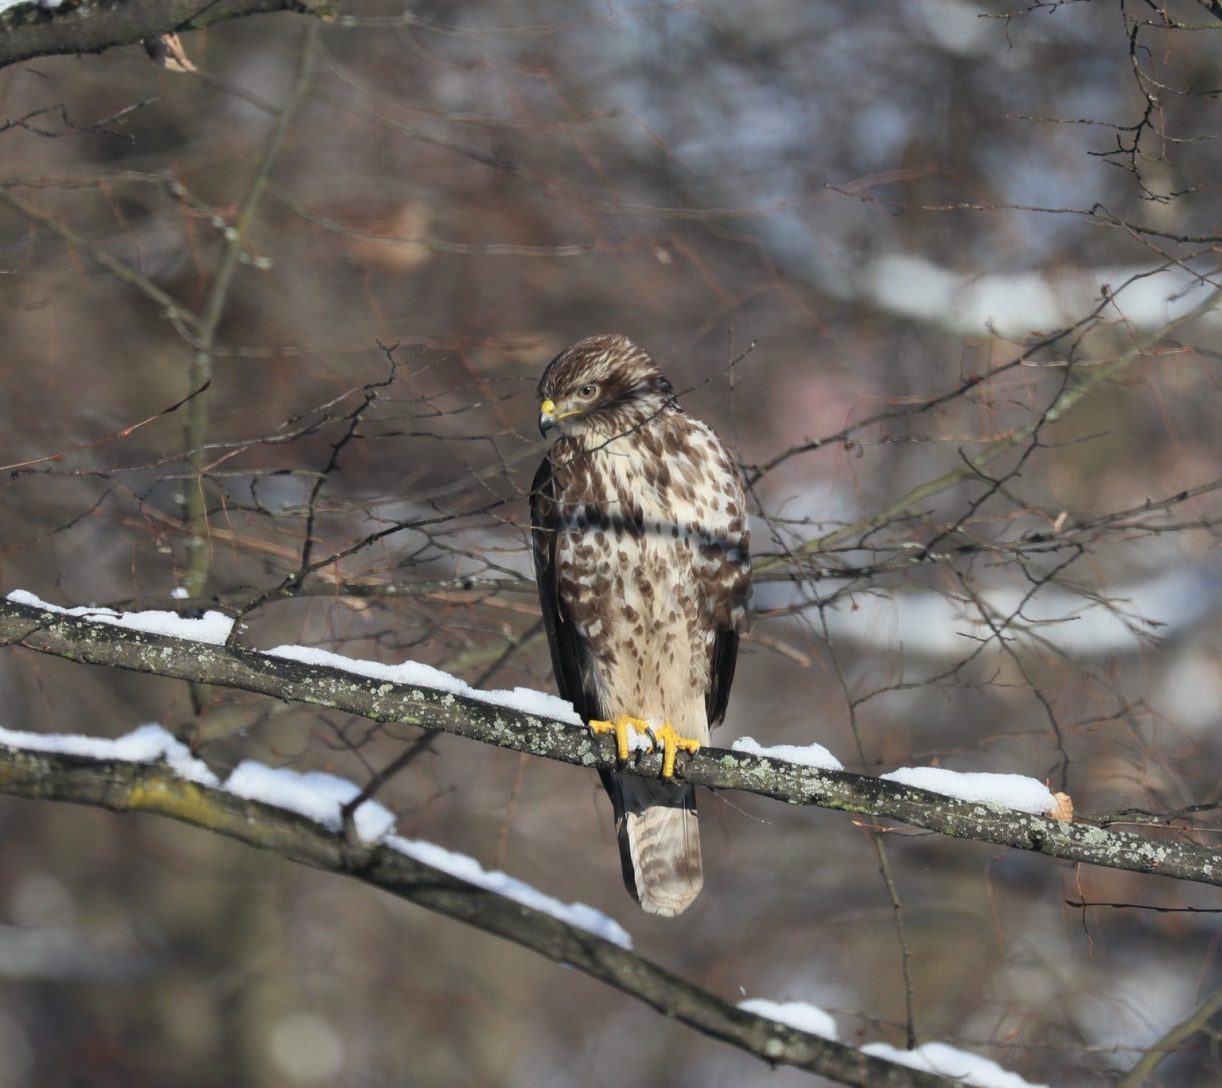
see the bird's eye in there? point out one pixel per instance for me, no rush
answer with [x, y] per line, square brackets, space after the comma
[587, 391]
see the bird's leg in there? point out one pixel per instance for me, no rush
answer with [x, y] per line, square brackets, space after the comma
[621, 726]
[672, 743]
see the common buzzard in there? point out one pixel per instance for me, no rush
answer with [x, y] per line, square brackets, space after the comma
[641, 554]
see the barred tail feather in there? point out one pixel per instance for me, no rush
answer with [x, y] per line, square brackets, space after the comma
[659, 842]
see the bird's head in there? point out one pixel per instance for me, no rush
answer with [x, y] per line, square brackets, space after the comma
[601, 387]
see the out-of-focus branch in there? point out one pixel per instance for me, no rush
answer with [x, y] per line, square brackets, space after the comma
[1198, 1021]
[34, 30]
[202, 327]
[754, 473]
[153, 788]
[199, 549]
[430, 708]
[170, 306]
[1095, 377]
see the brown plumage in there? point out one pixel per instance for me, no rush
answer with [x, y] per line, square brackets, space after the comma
[641, 554]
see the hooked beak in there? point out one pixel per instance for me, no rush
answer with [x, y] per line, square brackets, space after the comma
[547, 416]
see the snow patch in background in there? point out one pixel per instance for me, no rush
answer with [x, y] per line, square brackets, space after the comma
[306, 1048]
[1015, 791]
[1136, 615]
[1014, 303]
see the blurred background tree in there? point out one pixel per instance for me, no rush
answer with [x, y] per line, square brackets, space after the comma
[942, 274]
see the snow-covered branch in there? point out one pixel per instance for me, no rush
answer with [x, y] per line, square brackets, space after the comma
[148, 771]
[541, 725]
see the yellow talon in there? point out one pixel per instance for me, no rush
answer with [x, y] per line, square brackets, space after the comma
[620, 727]
[673, 743]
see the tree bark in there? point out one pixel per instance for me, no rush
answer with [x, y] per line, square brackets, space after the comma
[30, 30]
[96, 643]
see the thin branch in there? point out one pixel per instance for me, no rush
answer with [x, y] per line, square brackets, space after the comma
[442, 245]
[354, 420]
[114, 436]
[1064, 403]
[756, 472]
[170, 306]
[884, 868]
[198, 569]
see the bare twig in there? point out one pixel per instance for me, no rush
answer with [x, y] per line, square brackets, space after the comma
[972, 465]
[170, 306]
[199, 550]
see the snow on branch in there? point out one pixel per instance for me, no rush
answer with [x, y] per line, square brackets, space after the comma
[316, 795]
[965, 1067]
[299, 817]
[538, 724]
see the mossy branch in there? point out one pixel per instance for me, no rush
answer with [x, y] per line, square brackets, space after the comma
[154, 788]
[95, 643]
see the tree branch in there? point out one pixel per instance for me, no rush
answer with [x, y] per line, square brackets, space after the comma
[96, 643]
[153, 788]
[32, 30]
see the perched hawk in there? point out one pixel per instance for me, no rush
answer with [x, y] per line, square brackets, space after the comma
[640, 542]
